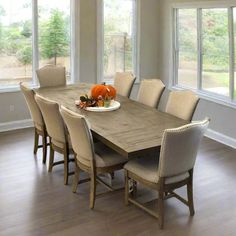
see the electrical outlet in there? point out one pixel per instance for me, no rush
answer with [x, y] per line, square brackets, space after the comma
[12, 108]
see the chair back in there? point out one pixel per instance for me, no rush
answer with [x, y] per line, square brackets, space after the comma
[123, 83]
[150, 92]
[80, 134]
[50, 76]
[182, 104]
[179, 148]
[53, 120]
[32, 105]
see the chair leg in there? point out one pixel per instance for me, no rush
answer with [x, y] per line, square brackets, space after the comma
[44, 148]
[51, 160]
[93, 184]
[112, 175]
[76, 179]
[66, 166]
[161, 208]
[126, 188]
[135, 187]
[36, 141]
[190, 198]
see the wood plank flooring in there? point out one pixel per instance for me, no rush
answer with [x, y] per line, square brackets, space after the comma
[35, 202]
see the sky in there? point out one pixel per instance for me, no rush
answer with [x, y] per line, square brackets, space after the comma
[16, 12]
[119, 11]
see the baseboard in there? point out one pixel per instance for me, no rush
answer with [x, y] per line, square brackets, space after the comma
[221, 138]
[14, 125]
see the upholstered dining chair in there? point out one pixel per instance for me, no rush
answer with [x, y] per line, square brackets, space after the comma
[182, 104]
[50, 76]
[59, 138]
[39, 125]
[150, 92]
[173, 170]
[93, 158]
[123, 82]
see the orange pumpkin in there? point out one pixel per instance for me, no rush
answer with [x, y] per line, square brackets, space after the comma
[104, 91]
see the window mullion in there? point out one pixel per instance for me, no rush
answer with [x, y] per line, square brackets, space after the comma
[135, 36]
[176, 46]
[231, 52]
[100, 40]
[74, 43]
[35, 39]
[200, 51]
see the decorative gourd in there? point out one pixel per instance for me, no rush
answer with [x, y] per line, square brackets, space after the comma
[104, 91]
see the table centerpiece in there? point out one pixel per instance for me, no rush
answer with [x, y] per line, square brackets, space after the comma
[102, 98]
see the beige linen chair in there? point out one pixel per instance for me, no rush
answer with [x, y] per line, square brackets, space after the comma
[182, 104]
[50, 76]
[174, 170]
[123, 83]
[59, 139]
[39, 126]
[91, 158]
[150, 92]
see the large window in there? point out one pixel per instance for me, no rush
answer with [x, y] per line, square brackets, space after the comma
[118, 39]
[187, 40]
[15, 41]
[33, 34]
[204, 51]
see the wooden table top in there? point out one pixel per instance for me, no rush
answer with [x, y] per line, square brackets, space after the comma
[130, 130]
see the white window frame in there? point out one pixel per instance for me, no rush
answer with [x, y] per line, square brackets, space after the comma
[74, 45]
[100, 40]
[211, 96]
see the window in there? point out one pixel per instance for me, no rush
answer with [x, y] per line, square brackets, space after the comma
[54, 33]
[32, 36]
[118, 49]
[15, 42]
[204, 51]
[187, 40]
[215, 51]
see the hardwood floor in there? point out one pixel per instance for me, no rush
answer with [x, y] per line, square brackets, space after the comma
[35, 202]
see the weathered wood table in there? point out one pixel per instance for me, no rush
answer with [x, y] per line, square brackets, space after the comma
[131, 130]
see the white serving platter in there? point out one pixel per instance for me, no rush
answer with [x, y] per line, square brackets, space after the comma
[113, 106]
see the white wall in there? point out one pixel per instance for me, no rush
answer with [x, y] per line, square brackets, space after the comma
[88, 41]
[20, 111]
[222, 117]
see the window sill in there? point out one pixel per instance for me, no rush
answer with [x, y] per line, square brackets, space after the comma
[16, 88]
[221, 100]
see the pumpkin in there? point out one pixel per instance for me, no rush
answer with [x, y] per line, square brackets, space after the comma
[104, 91]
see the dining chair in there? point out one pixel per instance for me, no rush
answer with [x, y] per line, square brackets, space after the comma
[39, 125]
[50, 76]
[171, 169]
[59, 138]
[150, 92]
[182, 104]
[123, 82]
[93, 158]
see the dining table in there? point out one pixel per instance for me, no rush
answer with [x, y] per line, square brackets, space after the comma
[132, 130]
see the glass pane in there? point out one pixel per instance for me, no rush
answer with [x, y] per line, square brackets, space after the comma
[15, 42]
[187, 35]
[54, 33]
[118, 37]
[215, 77]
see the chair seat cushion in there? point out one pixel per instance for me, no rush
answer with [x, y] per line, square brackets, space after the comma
[105, 156]
[147, 169]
